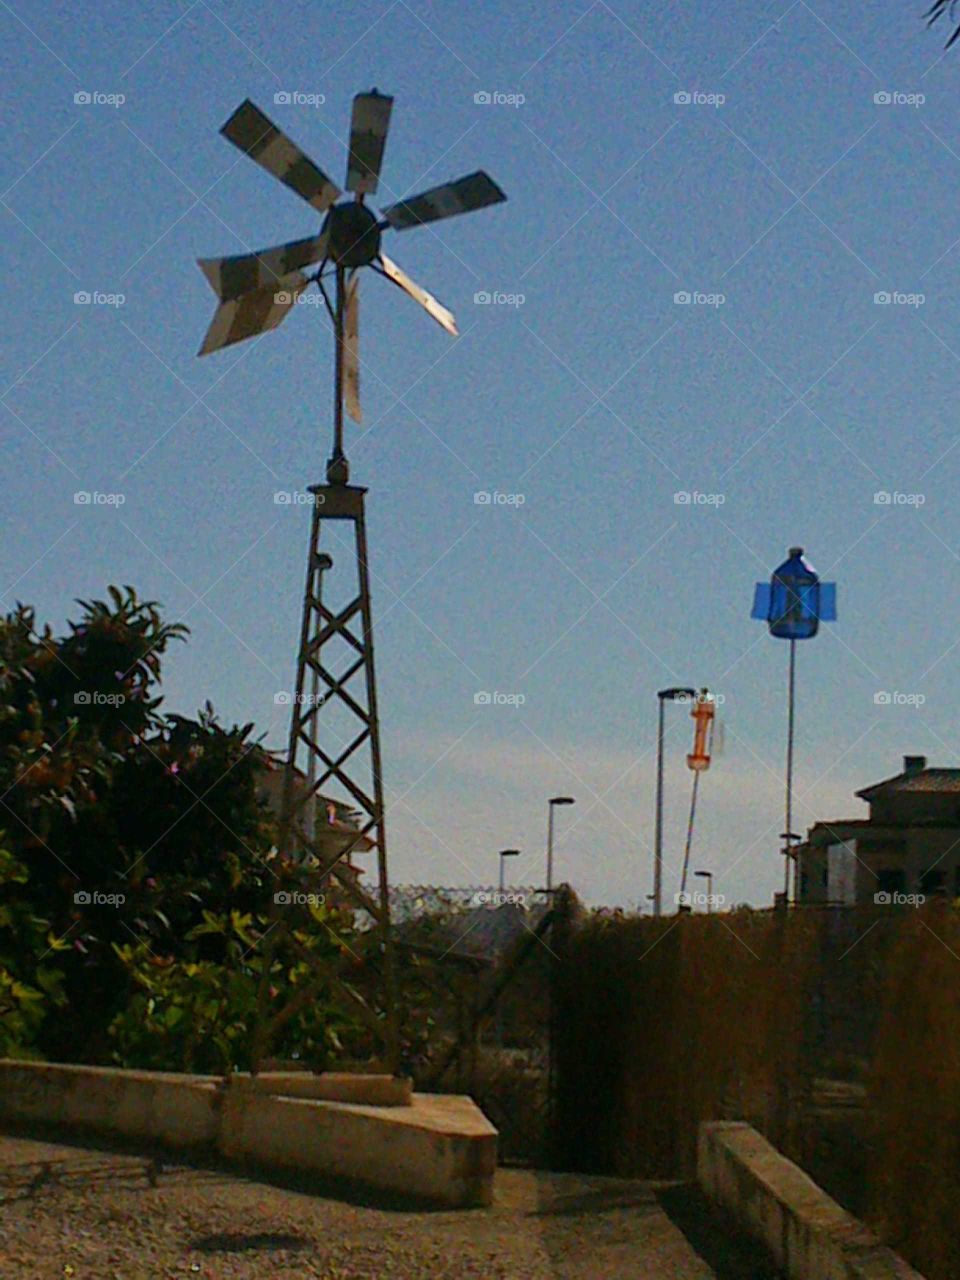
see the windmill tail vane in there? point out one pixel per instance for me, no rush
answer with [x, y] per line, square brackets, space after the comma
[256, 291]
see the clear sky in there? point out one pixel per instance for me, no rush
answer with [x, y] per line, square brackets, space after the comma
[782, 186]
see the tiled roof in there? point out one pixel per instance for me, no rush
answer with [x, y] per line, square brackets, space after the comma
[921, 780]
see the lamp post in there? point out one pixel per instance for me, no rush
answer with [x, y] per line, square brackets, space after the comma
[506, 853]
[708, 876]
[663, 696]
[550, 808]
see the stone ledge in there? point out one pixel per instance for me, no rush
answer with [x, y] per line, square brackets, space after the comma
[439, 1148]
[377, 1090]
[807, 1233]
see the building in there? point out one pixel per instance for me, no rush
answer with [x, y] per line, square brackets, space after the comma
[910, 844]
[334, 822]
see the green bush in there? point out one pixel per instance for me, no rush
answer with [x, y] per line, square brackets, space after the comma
[191, 1014]
[139, 862]
[31, 986]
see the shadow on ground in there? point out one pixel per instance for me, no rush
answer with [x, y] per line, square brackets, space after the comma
[151, 1165]
[248, 1242]
[719, 1241]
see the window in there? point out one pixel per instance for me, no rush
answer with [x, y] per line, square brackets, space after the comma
[891, 880]
[933, 881]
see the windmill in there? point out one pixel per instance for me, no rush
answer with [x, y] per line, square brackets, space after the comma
[256, 292]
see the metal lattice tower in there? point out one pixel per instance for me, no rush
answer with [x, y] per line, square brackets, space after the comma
[256, 292]
[353, 764]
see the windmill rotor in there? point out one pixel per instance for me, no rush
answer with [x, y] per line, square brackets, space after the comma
[257, 291]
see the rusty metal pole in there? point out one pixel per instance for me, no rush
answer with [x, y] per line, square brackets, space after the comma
[338, 470]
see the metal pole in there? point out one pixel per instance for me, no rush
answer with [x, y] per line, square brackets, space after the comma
[287, 831]
[337, 469]
[323, 562]
[709, 893]
[502, 860]
[550, 808]
[791, 684]
[690, 821]
[658, 822]
[391, 1030]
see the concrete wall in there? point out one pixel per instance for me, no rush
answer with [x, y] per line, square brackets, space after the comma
[177, 1111]
[809, 1235]
[440, 1148]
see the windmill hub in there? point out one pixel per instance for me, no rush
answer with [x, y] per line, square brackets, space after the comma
[354, 234]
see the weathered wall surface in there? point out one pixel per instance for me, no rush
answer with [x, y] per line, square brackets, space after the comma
[440, 1148]
[809, 1236]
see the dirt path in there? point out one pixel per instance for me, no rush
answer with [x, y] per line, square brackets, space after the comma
[86, 1214]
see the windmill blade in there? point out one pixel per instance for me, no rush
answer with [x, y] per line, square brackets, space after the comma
[351, 349]
[259, 138]
[368, 135]
[463, 196]
[254, 313]
[443, 317]
[230, 278]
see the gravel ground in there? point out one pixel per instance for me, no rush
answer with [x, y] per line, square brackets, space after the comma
[89, 1214]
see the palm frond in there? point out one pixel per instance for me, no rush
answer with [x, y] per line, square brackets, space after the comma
[937, 10]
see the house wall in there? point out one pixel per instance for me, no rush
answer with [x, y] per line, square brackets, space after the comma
[874, 857]
[813, 875]
[933, 851]
[842, 873]
[913, 808]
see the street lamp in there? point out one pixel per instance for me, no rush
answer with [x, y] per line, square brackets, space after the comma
[550, 807]
[506, 853]
[663, 696]
[708, 876]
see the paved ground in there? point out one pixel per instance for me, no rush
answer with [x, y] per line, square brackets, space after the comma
[87, 1214]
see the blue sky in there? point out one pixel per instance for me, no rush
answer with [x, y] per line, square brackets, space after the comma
[784, 389]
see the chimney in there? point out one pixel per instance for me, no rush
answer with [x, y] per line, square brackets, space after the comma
[914, 764]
